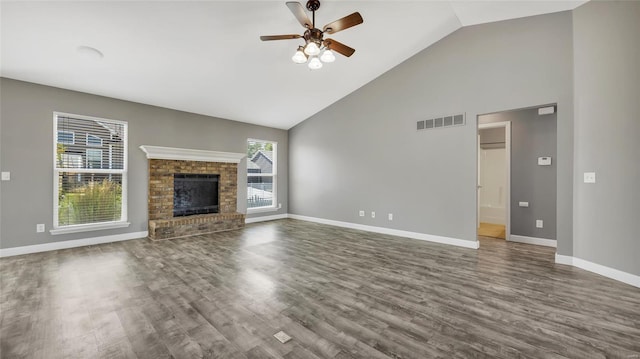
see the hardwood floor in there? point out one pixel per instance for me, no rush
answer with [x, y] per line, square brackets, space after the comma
[338, 293]
[492, 230]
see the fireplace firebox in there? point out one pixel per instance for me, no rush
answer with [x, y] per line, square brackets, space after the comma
[195, 194]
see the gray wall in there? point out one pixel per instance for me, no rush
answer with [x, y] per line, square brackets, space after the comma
[363, 152]
[607, 133]
[26, 122]
[532, 136]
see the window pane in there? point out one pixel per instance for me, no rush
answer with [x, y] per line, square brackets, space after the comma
[94, 158]
[93, 140]
[259, 191]
[65, 137]
[89, 198]
[101, 147]
[260, 157]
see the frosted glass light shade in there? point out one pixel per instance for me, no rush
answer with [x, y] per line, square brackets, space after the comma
[315, 63]
[311, 49]
[328, 56]
[299, 57]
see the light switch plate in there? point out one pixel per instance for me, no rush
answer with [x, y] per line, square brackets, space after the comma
[523, 204]
[6, 176]
[361, 213]
[373, 214]
[544, 161]
[40, 227]
[589, 177]
[538, 223]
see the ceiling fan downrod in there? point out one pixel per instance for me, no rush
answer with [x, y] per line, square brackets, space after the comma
[313, 5]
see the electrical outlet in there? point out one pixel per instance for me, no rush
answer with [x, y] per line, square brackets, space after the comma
[589, 177]
[6, 176]
[391, 216]
[279, 205]
[373, 214]
[361, 213]
[40, 227]
[538, 223]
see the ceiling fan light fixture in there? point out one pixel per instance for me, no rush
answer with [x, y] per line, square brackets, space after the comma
[311, 49]
[314, 63]
[299, 57]
[327, 56]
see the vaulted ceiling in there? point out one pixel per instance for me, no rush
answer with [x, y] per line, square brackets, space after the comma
[206, 57]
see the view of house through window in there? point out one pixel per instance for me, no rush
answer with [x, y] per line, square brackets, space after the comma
[261, 174]
[90, 170]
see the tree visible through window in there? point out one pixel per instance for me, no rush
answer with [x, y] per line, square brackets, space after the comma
[261, 174]
[90, 172]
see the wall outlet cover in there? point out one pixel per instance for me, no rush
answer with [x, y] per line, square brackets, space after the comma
[391, 216]
[589, 177]
[373, 214]
[361, 213]
[538, 223]
[523, 204]
[6, 176]
[40, 227]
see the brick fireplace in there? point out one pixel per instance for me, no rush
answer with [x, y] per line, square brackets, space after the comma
[164, 164]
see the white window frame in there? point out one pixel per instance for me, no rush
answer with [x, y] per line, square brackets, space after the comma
[92, 145]
[123, 222]
[73, 137]
[274, 175]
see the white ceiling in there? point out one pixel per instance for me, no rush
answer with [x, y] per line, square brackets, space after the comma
[206, 57]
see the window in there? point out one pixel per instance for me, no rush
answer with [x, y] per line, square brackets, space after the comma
[94, 141]
[94, 158]
[261, 175]
[66, 138]
[89, 186]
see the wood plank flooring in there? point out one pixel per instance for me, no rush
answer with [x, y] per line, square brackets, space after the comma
[338, 293]
[492, 230]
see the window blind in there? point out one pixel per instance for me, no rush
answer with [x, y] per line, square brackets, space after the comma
[90, 170]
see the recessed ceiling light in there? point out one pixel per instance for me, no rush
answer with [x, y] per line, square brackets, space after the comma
[89, 52]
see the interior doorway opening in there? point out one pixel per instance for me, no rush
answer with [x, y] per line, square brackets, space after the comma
[494, 180]
[518, 183]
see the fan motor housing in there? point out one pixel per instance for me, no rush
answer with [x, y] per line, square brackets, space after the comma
[314, 35]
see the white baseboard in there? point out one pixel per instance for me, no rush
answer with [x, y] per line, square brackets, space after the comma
[562, 259]
[265, 218]
[605, 271]
[54, 246]
[393, 232]
[533, 240]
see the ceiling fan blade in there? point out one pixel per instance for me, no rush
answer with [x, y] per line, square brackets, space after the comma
[339, 47]
[279, 37]
[298, 11]
[344, 23]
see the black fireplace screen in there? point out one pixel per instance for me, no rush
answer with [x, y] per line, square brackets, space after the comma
[194, 194]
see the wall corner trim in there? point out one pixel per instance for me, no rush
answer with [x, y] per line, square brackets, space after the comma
[533, 240]
[54, 246]
[390, 231]
[266, 218]
[604, 271]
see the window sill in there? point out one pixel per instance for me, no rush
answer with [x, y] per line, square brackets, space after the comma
[88, 227]
[262, 209]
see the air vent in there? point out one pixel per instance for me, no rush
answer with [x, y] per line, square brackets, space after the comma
[439, 122]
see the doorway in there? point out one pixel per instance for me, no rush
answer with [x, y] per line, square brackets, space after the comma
[494, 180]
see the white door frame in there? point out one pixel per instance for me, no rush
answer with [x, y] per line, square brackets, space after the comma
[507, 144]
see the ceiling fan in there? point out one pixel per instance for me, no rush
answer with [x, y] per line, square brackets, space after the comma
[314, 37]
